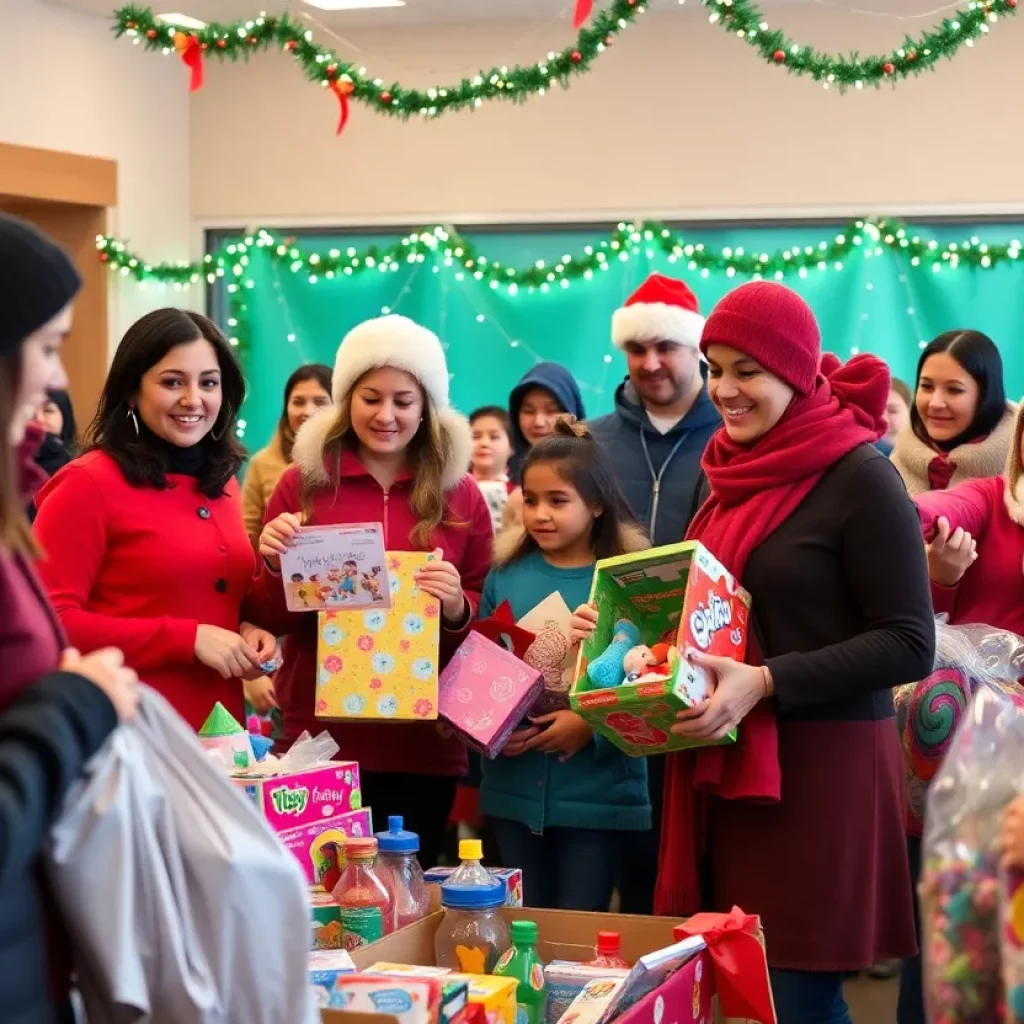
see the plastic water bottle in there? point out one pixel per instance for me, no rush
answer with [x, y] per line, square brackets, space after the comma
[609, 952]
[401, 873]
[471, 871]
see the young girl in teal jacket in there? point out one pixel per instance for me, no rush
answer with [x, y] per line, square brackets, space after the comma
[561, 801]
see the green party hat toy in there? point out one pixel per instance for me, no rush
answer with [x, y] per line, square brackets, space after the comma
[222, 733]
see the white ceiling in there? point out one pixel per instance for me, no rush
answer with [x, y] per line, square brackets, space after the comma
[415, 11]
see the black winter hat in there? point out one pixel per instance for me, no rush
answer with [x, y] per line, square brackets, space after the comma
[37, 280]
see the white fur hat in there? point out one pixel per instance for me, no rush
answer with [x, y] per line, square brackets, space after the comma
[392, 341]
[402, 343]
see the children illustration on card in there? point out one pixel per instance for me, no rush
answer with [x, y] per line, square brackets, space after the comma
[337, 567]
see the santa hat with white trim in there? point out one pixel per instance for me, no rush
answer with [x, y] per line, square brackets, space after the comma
[661, 309]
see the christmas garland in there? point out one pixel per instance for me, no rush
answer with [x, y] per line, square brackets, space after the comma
[348, 81]
[454, 250]
[745, 20]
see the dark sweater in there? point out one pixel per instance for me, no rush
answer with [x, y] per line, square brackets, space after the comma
[650, 465]
[843, 613]
[46, 737]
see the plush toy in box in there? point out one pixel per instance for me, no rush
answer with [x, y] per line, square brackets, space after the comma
[632, 676]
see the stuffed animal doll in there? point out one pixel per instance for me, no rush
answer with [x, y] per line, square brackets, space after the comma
[643, 662]
[606, 669]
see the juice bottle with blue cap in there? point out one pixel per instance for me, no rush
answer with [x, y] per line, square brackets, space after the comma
[473, 936]
[400, 871]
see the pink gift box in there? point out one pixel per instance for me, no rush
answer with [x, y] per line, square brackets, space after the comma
[307, 842]
[304, 798]
[484, 693]
[686, 998]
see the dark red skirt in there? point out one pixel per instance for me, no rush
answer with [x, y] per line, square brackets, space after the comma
[826, 868]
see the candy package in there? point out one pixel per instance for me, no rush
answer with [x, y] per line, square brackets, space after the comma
[928, 712]
[960, 926]
[1011, 937]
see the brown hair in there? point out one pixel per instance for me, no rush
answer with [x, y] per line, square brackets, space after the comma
[15, 532]
[309, 371]
[427, 455]
[902, 390]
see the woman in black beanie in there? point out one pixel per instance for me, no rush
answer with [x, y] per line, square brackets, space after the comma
[56, 707]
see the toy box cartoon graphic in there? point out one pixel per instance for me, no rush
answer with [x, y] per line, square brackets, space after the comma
[485, 691]
[336, 567]
[319, 846]
[302, 798]
[632, 677]
[381, 663]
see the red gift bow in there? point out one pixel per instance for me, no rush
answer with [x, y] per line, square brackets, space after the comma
[583, 9]
[501, 624]
[741, 971]
[192, 57]
[342, 87]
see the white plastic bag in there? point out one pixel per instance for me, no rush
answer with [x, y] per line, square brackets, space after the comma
[183, 905]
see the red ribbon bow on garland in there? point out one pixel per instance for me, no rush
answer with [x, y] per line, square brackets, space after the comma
[342, 86]
[502, 625]
[741, 971]
[583, 9]
[191, 54]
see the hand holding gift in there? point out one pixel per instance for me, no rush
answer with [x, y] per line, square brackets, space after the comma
[441, 579]
[583, 623]
[277, 536]
[562, 732]
[737, 689]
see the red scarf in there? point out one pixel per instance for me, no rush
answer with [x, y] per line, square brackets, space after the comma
[754, 490]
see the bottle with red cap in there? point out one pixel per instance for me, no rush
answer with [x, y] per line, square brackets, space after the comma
[609, 952]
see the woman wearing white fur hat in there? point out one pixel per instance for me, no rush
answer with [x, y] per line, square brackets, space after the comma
[390, 450]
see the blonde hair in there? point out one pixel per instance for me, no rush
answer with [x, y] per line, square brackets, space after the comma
[427, 455]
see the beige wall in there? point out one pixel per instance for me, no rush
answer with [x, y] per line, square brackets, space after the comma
[66, 85]
[677, 118]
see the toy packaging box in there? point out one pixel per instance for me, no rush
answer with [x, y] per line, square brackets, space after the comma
[676, 597]
[380, 664]
[512, 877]
[325, 968]
[295, 799]
[411, 1000]
[565, 981]
[318, 846]
[484, 693]
[690, 991]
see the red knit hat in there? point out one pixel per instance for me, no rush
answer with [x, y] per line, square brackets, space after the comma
[661, 309]
[774, 326]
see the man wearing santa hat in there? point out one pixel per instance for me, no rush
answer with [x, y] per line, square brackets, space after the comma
[655, 438]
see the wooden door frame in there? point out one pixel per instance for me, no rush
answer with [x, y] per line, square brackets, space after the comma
[68, 196]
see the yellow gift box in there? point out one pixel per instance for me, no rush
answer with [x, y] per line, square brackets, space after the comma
[380, 664]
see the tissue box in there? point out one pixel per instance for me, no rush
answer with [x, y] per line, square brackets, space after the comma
[410, 1000]
[512, 877]
[382, 664]
[302, 798]
[308, 841]
[680, 595]
[565, 981]
[485, 691]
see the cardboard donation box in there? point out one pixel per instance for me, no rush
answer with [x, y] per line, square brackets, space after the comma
[381, 663]
[485, 691]
[632, 676]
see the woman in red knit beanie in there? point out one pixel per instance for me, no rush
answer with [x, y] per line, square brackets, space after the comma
[804, 816]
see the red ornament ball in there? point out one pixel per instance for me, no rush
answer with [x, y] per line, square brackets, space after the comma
[387, 98]
[1011, 3]
[204, 47]
[129, 24]
[911, 54]
[151, 33]
[251, 40]
[331, 70]
[291, 44]
[575, 56]
[609, 39]
[778, 56]
[888, 68]
[222, 44]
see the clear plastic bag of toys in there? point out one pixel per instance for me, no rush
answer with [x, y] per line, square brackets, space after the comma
[960, 921]
[928, 712]
[1011, 937]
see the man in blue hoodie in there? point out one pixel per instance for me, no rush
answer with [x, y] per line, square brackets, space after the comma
[662, 423]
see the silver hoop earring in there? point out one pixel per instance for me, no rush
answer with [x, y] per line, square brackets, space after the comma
[227, 423]
[216, 436]
[134, 419]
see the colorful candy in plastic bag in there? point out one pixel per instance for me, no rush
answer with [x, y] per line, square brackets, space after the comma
[960, 928]
[928, 712]
[1011, 899]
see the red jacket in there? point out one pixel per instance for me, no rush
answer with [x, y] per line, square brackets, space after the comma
[992, 589]
[141, 568]
[416, 747]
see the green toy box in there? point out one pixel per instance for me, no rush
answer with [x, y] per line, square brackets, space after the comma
[679, 595]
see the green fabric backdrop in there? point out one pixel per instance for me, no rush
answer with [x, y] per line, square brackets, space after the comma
[876, 304]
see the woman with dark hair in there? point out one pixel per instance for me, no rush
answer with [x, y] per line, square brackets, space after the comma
[960, 421]
[57, 419]
[307, 392]
[145, 548]
[56, 707]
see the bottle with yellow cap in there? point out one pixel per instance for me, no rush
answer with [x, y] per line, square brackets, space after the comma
[471, 871]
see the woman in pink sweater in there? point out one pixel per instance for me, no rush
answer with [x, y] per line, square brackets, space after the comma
[976, 545]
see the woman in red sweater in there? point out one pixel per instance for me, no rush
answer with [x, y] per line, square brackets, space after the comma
[391, 450]
[144, 541]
